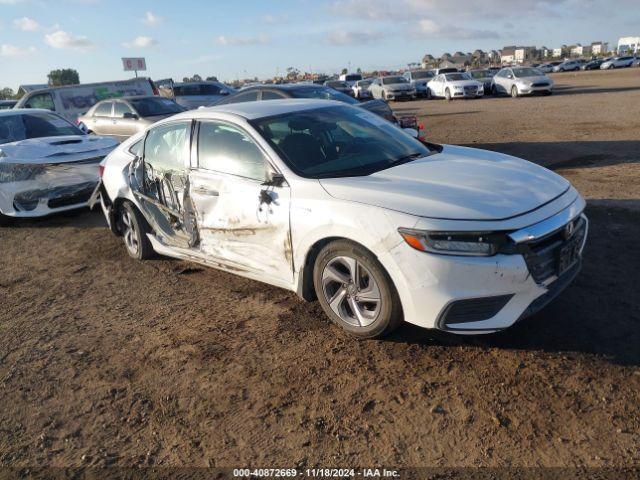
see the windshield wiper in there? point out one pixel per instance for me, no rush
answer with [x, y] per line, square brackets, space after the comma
[406, 159]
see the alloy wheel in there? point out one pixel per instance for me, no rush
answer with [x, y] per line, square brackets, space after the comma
[351, 291]
[129, 232]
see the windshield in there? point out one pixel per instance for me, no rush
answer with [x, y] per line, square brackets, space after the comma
[338, 142]
[149, 107]
[527, 72]
[454, 77]
[14, 128]
[323, 93]
[364, 83]
[196, 89]
[419, 74]
[353, 78]
[393, 80]
[482, 74]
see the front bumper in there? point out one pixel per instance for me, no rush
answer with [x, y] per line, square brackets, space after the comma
[528, 90]
[399, 95]
[474, 295]
[469, 93]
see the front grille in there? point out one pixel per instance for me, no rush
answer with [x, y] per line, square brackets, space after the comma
[540, 84]
[56, 197]
[470, 90]
[472, 310]
[542, 256]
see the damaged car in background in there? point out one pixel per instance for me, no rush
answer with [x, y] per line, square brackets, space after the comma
[336, 204]
[47, 164]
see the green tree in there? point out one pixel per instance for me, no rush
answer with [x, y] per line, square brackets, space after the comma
[212, 78]
[7, 94]
[344, 71]
[64, 76]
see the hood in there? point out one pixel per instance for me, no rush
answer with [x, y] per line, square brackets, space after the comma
[464, 83]
[536, 79]
[458, 184]
[57, 149]
[398, 86]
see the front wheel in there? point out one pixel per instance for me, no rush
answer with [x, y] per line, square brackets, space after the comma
[134, 229]
[355, 291]
[514, 91]
[429, 94]
[447, 94]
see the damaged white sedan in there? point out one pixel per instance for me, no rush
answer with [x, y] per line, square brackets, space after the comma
[47, 165]
[337, 204]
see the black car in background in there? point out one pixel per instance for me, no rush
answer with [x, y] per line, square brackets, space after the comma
[309, 90]
[593, 64]
[340, 86]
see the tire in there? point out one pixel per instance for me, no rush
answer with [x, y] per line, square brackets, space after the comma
[429, 94]
[5, 221]
[494, 90]
[332, 279]
[447, 95]
[514, 91]
[134, 229]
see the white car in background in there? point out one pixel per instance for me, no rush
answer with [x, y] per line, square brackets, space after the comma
[47, 165]
[419, 79]
[335, 203]
[569, 66]
[618, 62]
[517, 81]
[361, 89]
[392, 87]
[454, 85]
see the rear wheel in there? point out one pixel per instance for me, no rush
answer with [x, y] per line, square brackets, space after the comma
[514, 91]
[355, 291]
[447, 94]
[134, 229]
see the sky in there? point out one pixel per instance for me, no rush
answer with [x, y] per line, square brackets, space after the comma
[247, 38]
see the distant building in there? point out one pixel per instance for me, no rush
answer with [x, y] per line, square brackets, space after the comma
[580, 50]
[428, 61]
[524, 54]
[546, 52]
[628, 45]
[559, 52]
[599, 48]
[508, 54]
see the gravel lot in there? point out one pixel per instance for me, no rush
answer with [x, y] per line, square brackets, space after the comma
[107, 361]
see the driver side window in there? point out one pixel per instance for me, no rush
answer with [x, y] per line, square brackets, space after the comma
[227, 149]
[166, 148]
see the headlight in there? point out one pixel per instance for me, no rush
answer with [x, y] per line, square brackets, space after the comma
[458, 89]
[16, 172]
[481, 244]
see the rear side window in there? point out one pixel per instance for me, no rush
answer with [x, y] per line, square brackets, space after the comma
[103, 110]
[41, 100]
[227, 149]
[167, 147]
[243, 97]
[271, 95]
[120, 109]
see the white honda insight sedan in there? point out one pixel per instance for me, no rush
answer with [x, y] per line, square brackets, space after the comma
[335, 203]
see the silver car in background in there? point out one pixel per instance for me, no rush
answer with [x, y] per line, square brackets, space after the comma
[516, 81]
[361, 89]
[392, 88]
[122, 117]
[618, 62]
[199, 94]
[484, 76]
[419, 79]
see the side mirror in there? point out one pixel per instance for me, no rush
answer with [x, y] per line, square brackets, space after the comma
[411, 131]
[130, 116]
[276, 180]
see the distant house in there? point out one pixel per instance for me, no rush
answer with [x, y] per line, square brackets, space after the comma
[599, 48]
[452, 64]
[560, 52]
[524, 54]
[628, 44]
[428, 61]
[580, 50]
[546, 52]
[508, 54]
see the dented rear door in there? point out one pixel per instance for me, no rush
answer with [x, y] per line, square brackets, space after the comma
[241, 223]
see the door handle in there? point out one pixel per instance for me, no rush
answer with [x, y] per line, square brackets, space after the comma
[206, 191]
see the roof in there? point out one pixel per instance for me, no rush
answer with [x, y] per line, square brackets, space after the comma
[33, 87]
[256, 110]
[14, 111]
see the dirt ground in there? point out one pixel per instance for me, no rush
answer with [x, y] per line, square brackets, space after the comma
[108, 361]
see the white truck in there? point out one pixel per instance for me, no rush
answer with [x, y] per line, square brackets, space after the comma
[73, 100]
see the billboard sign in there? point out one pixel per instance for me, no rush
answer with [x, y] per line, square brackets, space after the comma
[134, 64]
